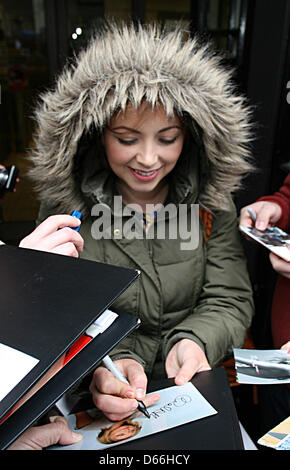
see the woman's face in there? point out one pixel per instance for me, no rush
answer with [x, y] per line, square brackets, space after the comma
[119, 431]
[142, 147]
[125, 431]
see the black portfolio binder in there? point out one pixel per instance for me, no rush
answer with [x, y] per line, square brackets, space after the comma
[47, 302]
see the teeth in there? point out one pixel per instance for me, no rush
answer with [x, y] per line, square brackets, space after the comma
[145, 173]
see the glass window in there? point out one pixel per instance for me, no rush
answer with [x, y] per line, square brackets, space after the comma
[222, 21]
[169, 13]
[23, 74]
[84, 17]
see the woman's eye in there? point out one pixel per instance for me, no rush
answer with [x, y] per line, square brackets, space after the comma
[168, 141]
[126, 141]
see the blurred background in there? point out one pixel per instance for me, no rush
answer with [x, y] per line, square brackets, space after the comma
[37, 37]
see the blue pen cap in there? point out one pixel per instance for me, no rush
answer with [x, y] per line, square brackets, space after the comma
[78, 215]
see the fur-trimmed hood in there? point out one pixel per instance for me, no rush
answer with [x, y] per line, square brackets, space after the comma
[125, 64]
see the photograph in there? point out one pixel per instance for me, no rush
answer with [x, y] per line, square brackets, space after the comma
[273, 238]
[262, 366]
[178, 405]
[279, 437]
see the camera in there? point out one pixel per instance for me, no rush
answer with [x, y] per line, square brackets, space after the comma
[8, 178]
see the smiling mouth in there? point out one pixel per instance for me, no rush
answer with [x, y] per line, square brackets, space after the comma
[144, 175]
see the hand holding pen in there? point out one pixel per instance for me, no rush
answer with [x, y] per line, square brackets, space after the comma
[109, 364]
[56, 234]
[260, 215]
[119, 399]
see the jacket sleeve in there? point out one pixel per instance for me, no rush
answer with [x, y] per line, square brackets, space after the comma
[282, 197]
[224, 311]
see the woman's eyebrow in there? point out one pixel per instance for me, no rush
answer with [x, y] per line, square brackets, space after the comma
[168, 128]
[125, 128]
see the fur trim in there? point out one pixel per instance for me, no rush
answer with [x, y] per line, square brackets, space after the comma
[123, 64]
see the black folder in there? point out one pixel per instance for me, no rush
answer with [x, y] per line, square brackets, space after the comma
[217, 432]
[47, 301]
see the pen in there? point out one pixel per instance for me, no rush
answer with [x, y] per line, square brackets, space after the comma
[78, 215]
[252, 214]
[115, 371]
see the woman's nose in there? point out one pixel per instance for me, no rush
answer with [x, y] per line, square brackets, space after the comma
[147, 156]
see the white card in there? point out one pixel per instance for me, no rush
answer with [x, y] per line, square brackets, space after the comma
[177, 405]
[14, 366]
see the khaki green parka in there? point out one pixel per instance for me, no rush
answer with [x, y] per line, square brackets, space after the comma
[202, 293]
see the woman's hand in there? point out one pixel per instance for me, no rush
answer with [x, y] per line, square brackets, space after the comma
[184, 360]
[118, 400]
[56, 235]
[40, 437]
[280, 265]
[286, 347]
[268, 213]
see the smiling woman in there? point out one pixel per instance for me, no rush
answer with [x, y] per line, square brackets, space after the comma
[142, 148]
[132, 119]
